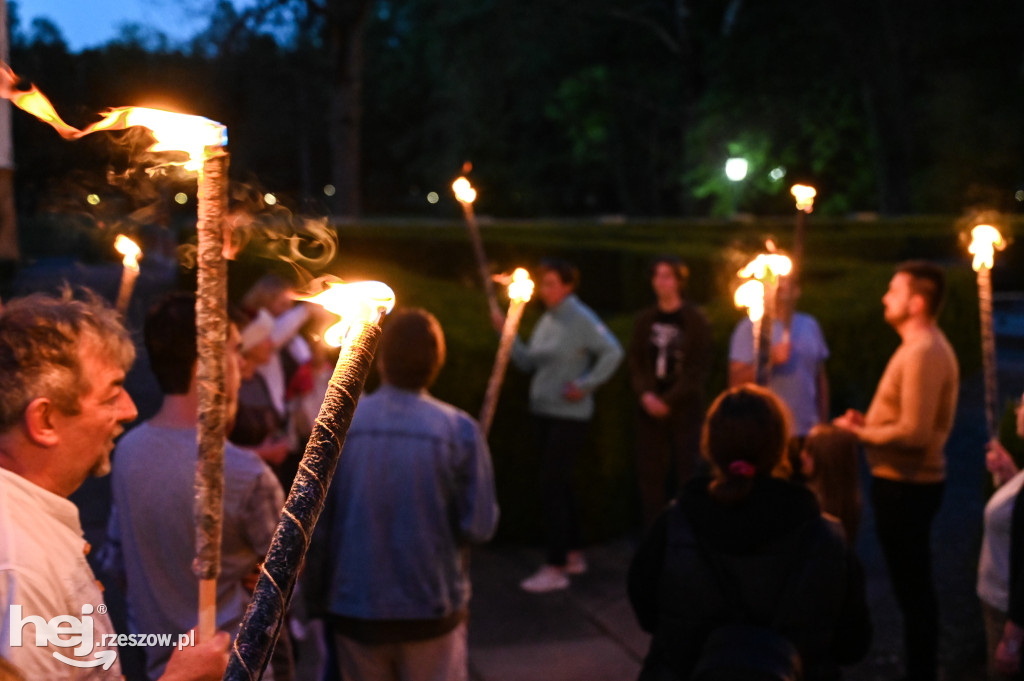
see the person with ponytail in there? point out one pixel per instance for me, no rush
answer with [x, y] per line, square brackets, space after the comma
[746, 546]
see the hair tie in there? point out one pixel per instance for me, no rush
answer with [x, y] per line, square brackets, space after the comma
[742, 469]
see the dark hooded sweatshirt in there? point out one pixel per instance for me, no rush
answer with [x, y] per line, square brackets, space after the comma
[787, 567]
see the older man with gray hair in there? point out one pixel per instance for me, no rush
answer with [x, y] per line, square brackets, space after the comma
[62, 404]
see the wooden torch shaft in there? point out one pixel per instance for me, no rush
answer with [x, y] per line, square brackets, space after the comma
[988, 351]
[211, 338]
[799, 235]
[481, 259]
[265, 614]
[124, 293]
[508, 338]
[763, 335]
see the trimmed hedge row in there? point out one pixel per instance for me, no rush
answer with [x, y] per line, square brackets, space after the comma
[846, 270]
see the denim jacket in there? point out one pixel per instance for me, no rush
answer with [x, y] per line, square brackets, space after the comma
[414, 486]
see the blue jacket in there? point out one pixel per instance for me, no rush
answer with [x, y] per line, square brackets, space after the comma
[413, 487]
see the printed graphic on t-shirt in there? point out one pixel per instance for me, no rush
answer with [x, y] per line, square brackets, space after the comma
[664, 338]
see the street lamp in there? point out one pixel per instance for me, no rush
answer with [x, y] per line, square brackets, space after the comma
[736, 168]
[736, 171]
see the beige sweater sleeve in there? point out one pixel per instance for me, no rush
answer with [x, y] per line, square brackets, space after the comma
[906, 407]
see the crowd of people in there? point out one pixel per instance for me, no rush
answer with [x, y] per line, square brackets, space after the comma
[749, 507]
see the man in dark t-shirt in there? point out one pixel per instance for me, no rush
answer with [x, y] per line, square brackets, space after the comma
[669, 356]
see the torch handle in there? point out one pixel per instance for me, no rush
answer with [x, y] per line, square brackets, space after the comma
[124, 293]
[508, 337]
[211, 338]
[481, 259]
[763, 333]
[261, 625]
[207, 626]
[799, 235]
[988, 351]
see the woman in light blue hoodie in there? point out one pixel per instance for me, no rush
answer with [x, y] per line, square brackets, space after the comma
[570, 353]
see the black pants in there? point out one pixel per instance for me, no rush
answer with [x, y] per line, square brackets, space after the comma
[559, 442]
[664, 445]
[903, 519]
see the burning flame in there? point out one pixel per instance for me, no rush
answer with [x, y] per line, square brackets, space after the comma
[359, 302]
[767, 265]
[804, 196]
[521, 288]
[985, 241]
[173, 131]
[464, 191]
[130, 250]
[750, 295]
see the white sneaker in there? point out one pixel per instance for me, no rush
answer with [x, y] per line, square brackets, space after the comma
[548, 578]
[575, 563]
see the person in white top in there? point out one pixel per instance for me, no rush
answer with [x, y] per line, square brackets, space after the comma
[1003, 634]
[62, 404]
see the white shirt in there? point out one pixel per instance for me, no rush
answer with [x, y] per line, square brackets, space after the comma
[43, 570]
[994, 565]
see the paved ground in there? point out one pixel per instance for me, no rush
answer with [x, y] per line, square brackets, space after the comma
[588, 632]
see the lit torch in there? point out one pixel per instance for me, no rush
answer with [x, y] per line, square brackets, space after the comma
[362, 306]
[519, 292]
[804, 196]
[131, 252]
[985, 241]
[203, 141]
[466, 195]
[759, 297]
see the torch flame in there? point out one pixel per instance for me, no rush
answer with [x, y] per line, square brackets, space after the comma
[130, 250]
[767, 265]
[750, 295]
[521, 288]
[985, 241]
[464, 191]
[804, 196]
[359, 302]
[173, 131]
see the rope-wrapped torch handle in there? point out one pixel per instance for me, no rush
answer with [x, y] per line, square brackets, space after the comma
[265, 614]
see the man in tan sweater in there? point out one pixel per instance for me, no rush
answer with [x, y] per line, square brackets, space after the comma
[904, 432]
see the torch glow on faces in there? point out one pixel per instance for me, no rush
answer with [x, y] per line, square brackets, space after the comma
[203, 141]
[520, 290]
[758, 295]
[466, 195]
[131, 252]
[364, 305]
[985, 241]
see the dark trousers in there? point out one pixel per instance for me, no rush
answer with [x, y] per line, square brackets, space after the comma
[667, 454]
[559, 442]
[903, 520]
